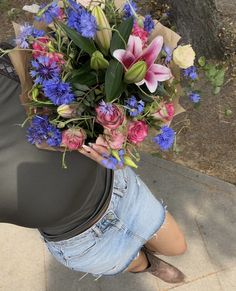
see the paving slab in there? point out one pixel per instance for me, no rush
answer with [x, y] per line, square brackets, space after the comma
[202, 205]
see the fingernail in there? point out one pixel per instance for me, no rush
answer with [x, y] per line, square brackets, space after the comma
[90, 144]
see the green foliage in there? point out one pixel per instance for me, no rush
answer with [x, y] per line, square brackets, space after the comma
[214, 73]
[113, 81]
[83, 43]
[121, 37]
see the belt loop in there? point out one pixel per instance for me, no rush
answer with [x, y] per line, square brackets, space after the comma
[97, 231]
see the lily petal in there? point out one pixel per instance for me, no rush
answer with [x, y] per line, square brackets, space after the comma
[160, 72]
[151, 53]
[151, 81]
[124, 57]
[135, 46]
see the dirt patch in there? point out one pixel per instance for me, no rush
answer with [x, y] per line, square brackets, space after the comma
[206, 139]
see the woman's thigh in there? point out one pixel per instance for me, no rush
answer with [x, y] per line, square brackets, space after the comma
[169, 240]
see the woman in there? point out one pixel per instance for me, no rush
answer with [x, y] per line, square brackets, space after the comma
[92, 219]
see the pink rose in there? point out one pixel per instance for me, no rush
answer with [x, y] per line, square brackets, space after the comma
[137, 131]
[109, 115]
[56, 57]
[115, 139]
[165, 113]
[73, 138]
[40, 46]
[141, 33]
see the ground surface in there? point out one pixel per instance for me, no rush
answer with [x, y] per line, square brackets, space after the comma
[207, 138]
[203, 206]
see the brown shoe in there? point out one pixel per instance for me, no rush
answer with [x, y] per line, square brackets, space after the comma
[162, 269]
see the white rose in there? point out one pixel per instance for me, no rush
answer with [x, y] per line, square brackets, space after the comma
[184, 56]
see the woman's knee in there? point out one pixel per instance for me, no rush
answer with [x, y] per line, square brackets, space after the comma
[169, 240]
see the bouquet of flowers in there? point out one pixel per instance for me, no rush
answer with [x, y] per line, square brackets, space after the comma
[101, 72]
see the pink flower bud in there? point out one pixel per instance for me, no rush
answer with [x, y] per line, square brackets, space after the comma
[115, 139]
[73, 138]
[141, 33]
[165, 112]
[137, 131]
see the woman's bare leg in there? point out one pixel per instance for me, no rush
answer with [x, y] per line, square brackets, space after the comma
[139, 264]
[168, 241]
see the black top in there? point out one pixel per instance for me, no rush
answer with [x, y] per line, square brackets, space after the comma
[35, 191]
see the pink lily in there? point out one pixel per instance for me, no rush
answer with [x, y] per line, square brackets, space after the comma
[155, 73]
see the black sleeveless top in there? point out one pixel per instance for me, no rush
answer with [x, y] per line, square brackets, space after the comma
[35, 191]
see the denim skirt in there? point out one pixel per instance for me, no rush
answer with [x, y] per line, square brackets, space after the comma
[133, 216]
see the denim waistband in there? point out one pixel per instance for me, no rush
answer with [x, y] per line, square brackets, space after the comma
[119, 188]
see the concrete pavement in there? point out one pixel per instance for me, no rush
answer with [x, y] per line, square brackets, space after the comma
[203, 206]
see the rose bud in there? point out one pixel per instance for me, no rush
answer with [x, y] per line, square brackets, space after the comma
[109, 115]
[115, 139]
[136, 72]
[73, 138]
[166, 112]
[184, 56]
[98, 62]
[67, 111]
[103, 36]
[137, 131]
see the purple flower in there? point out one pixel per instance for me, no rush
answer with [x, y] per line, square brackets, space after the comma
[58, 91]
[128, 11]
[166, 138]
[168, 52]
[148, 23]
[42, 130]
[88, 25]
[106, 108]
[194, 97]
[49, 12]
[191, 73]
[82, 21]
[26, 32]
[135, 107]
[44, 69]
[110, 162]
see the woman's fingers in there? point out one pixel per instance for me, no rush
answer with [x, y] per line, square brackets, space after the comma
[102, 150]
[91, 153]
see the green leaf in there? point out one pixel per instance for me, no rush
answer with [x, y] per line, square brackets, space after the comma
[81, 87]
[113, 80]
[219, 78]
[124, 29]
[228, 112]
[83, 43]
[217, 90]
[202, 61]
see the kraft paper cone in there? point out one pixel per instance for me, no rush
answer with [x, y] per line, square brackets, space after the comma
[20, 60]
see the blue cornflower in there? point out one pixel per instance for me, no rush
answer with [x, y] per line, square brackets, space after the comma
[26, 32]
[44, 69]
[148, 23]
[135, 107]
[166, 138]
[49, 12]
[42, 130]
[110, 162]
[128, 11]
[83, 22]
[168, 51]
[191, 73]
[58, 91]
[194, 97]
[106, 108]
[88, 25]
